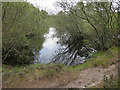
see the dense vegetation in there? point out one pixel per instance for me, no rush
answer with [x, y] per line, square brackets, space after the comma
[23, 30]
[94, 25]
[81, 27]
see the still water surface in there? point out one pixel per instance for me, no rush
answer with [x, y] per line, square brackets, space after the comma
[51, 48]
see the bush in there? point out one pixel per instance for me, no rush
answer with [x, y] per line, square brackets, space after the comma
[110, 82]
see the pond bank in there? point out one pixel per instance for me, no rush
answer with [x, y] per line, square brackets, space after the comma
[59, 75]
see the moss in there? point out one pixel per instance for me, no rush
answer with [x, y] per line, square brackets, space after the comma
[100, 53]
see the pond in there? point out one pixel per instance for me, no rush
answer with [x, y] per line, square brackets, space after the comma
[51, 48]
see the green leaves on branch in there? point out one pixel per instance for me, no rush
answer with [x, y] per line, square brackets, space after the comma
[23, 31]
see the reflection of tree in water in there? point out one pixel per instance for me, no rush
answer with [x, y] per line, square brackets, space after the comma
[75, 47]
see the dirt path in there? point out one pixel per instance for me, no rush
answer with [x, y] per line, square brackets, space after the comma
[77, 79]
[92, 76]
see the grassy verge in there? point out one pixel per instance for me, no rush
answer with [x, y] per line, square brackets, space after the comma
[29, 73]
[99, 59]
[38, 71]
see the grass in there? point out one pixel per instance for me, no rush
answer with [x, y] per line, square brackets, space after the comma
[38, 71]
[29, 73]
[99, 59]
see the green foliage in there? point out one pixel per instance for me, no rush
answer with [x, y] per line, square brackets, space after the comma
[21, 74]
[110, 82]
[97, 22]
[94, 25]
[23, 29]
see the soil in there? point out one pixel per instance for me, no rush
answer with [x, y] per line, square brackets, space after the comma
[76, 79]
[92, 76]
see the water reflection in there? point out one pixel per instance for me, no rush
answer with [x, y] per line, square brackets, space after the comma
[50, 47]
[54, 48]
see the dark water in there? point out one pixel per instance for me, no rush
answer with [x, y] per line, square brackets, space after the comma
[51, 48]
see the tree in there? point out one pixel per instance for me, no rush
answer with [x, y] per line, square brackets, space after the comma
[23, 29]
[90, 25]
[100, 16]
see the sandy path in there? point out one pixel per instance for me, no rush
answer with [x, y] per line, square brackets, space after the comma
[92, 76]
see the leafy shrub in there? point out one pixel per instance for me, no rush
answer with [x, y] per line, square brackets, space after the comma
[110, 82]
[21, 74]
